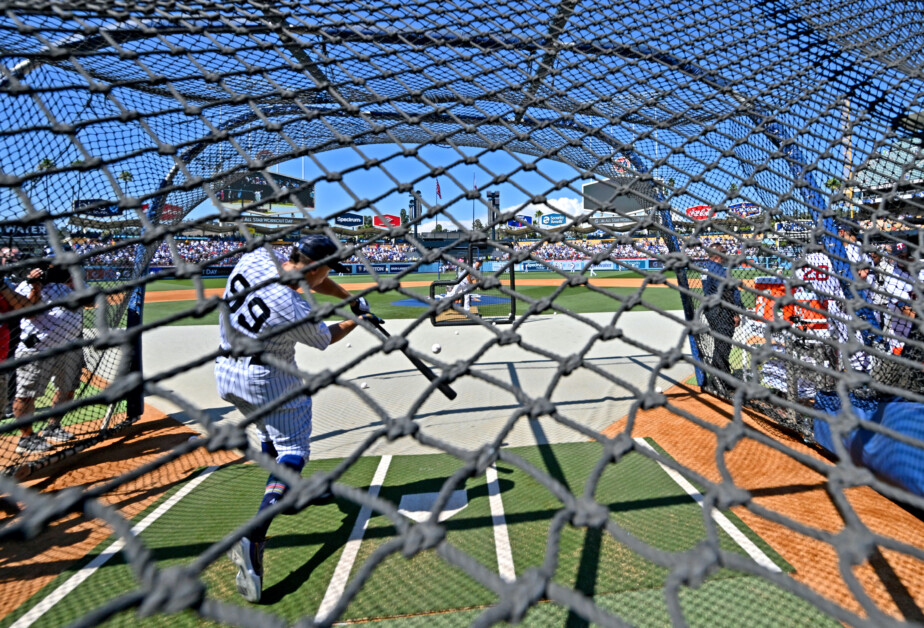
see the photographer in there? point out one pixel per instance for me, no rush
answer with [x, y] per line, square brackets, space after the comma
[40, 333]
[10, 300]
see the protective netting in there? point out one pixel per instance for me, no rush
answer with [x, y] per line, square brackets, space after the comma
[749, 267]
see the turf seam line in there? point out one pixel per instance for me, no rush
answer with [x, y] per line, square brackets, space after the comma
[341, 575]
[37, 611]
[731, 529]
[505, 565]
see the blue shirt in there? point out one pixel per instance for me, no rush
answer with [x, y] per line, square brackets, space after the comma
[712, 281]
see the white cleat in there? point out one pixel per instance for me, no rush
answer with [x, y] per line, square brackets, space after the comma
[248, 557]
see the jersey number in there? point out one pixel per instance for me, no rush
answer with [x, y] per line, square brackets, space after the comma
[258, 309]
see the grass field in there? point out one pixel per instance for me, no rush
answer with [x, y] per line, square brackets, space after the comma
[578, 299]
[304, 550]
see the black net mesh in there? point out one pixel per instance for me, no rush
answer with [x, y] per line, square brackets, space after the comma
[714, 230]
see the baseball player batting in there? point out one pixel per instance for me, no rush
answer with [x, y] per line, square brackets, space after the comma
[250, 382]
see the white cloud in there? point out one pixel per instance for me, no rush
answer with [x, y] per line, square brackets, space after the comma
[567, 206]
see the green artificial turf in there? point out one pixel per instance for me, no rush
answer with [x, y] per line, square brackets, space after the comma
[578, 299]
[427, 586]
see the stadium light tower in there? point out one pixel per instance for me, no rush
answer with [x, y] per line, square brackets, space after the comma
[494, 200]
[414, 206]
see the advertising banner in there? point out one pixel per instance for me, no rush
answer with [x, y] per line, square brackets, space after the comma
[171, 212]
[520, 222]
[349, 220]
[552, 220]
[700, 212]
[386, 221]
[23, 231]
[106, 211]
[744, 210]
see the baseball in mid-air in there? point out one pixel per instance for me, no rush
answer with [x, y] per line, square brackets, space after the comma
[349, 345]
[364, 385]
[658, 389]
[436, 348]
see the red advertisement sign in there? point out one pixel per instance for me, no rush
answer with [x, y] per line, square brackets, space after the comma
[700, 212]
[386, 220]
[171, 212]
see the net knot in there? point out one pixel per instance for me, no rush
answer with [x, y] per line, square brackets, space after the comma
[570, 364]
[577, 280]
[856, 546]
[36, 516]
[400, 428]
[729, 495]
[490, 281]
[540, 407]
[394, 343]
[314, 488]
[528, 589]
[610, 332]
[318, 381]
[225, 436]
[508, 337]
[487, 456]
[423, 536]
[652, 399]
[171, 591]
[616, 448]
[589, 514]
[697, 564]
[458, 369]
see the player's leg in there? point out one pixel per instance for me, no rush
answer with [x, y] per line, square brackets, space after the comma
[285, 435]
[66, 377]
[31, 381]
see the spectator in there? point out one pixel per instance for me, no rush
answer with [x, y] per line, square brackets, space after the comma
[40, 333]
[721, 317]
[11, 300]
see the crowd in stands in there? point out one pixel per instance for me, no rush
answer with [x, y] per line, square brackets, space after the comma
[641, 248]
[227, 251]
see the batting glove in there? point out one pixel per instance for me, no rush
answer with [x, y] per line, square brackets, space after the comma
[369, 317]
[360, 306]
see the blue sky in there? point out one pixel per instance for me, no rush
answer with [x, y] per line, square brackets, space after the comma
[373, 183]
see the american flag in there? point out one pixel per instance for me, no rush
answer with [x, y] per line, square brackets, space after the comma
[438, 194]
[622, 164]
[474, 183]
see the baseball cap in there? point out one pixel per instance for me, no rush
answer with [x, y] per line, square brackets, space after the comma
[901, 250]
[318, 246]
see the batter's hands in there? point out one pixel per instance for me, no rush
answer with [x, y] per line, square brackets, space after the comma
[360, 306]
[369, 317]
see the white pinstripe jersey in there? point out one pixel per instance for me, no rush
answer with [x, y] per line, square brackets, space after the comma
[257, 313]
[816, 272]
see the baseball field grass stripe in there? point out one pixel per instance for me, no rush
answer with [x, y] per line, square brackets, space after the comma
[36, 612]
[345, 565]
[731, 529]
[501, 539]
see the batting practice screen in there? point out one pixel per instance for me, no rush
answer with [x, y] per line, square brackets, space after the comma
[570, 313]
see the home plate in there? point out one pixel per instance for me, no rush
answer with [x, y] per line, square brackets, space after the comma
[418, 505]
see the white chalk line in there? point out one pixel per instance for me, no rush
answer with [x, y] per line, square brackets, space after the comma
[499, 523]
[74, 581]
[345, 565]
[731, 529]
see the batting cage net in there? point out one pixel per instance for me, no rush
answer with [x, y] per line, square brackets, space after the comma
[699, 222]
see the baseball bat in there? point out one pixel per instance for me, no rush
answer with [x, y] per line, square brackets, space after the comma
[423, 368]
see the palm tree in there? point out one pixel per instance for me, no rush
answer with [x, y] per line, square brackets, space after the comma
[126, 177]
[833, 184]
[733, 190]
